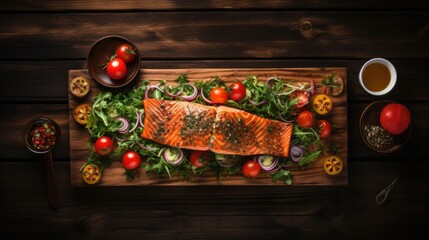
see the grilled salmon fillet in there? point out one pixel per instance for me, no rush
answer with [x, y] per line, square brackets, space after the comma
[222, 130]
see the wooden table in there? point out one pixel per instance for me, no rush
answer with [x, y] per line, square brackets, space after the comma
[41, 40]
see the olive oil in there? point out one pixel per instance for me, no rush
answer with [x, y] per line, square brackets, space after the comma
[376, 77]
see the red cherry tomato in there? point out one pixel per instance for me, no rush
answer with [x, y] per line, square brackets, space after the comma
[251, 169]
[126, 52]
[302, 98]
[305, 119]
[395, 118]
[103, 146]
[238, 91]
[131, 160]
[116, 69]
[324, 128]
[218, 95]
[199, 158]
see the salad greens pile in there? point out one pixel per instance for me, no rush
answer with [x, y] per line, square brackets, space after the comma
[271, 99]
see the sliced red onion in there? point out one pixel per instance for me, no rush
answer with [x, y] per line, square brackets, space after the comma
[287, 120]
[273, 165]
[193, 95]
[312, 88]
[145, 148]
[125, 125]
[274, 170]
[257, 103]
[172, 94]
[269, 80]
[146, 94]
[137, 121]
[171, 161]
[204, 97]
[141, 119]
[296, 153]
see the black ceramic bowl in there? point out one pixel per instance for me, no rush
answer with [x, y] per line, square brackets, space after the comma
[371, 117]
[99, 56]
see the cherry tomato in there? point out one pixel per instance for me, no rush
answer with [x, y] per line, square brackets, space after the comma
[305, 119]
[333, 165]
[126, 52]
[324, 128]
[251, 169]
[218, 95]
[91, 173]
[131, 160]
[103, 146]
[322, 104]
[199, 158]
[238, 91]
[395, 118]
[116, 69]
[302, 98]
[81, 113]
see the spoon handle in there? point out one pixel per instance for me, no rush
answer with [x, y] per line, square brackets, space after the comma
[53, 195]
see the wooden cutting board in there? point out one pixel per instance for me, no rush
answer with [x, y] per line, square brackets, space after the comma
[310, 175]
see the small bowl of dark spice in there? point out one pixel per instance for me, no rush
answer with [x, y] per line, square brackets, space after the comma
[374, 135]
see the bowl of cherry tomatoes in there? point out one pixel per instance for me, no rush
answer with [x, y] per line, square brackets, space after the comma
[114, 61]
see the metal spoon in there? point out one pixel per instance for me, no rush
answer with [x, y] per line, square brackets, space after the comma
[53, 194]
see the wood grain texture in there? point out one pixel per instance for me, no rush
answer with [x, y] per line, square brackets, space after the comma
[121, 5]
[207, 212]
[312, 175]
[220, 35]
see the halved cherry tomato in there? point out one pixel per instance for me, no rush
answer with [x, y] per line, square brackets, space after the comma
[218, 95]
[305, 119]
[251, 169]
[238, 91]
[126, 52]
[103, 146]
[131, 160]
[302, 98]
[199, 158]
[91, 173]
[333, 165]
[79, 86]
[324, 128]
[81, 113]
[322, 104]
[116, 69]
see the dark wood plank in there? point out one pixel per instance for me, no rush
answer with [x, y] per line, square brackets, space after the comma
[220, 35]
[209, 212]
[105, 5]
[47, 80]
[311, 175]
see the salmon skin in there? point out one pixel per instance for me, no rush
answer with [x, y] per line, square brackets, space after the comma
[222, 130]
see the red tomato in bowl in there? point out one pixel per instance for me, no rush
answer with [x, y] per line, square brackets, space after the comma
[251, 169]
[116, 69]
[126, 52]
[395, 118]
[199, 158]
[325, 128]
[238, 91]
[305, 119]
[218, 95]
[103, 146]
[131, 160]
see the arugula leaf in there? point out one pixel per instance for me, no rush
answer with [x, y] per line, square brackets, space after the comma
[282, 175]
